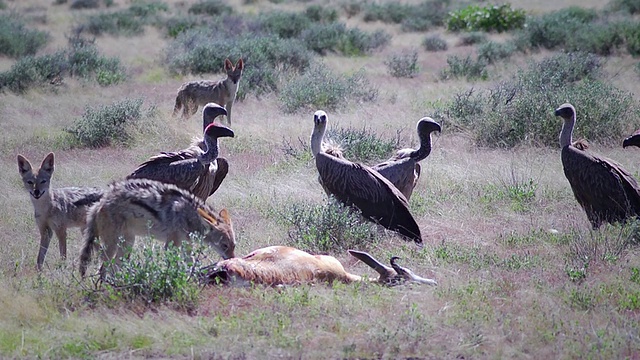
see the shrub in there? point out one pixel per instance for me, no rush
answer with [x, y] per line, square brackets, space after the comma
[31, 71]
[155, 275]
[434, 43]
[320, 88]
[126, 22]
[498, 18]
[521, 110]
[490, 52]
[419, 17]
[323, 38]
[631, 34]
[178, 24]
[472, 38]
[322, 14]
[327, 228]
[467, 68]
[361, 145]
[86, 62]
[85, 4]
[113, 124]
[285, 24]
[403, 64]
[210, 7]
[628, 6]
[268, 58]
[16, 40]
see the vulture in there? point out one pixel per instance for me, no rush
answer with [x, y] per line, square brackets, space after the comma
[633, 140]
[403, 169]
[360, 187]
[605, 190]
[196, 168]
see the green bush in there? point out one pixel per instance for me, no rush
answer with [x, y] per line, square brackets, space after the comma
[362, 145]
[285, 24]
[113, 124]
[128, 22]
[473, 37]
[268, 59]
[434, 43]
[498, 18]
[179, 24]
[330, 228]
[521, 110]
[210, 7]
[631, 33]
[418, 17]
[491, 51]
[155, 275]
[321, 14]
[628, 6]
[403, 65]
[86, 62]
[85, 4]
[466, 67]
[318, 88]
[16, 40]
[323, 38]
[32, 71]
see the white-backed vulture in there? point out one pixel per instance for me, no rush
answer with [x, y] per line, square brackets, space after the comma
[359, 186]
[196, 168]
[604, 189]
[403, 169]
[283, 265]
[632, 140]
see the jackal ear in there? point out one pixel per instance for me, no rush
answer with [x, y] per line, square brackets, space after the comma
[240, 64]
[224, 214]
[24, 166]
[228, 65]
[47, 163]
[207, 217]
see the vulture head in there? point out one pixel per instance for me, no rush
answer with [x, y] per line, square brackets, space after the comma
[566, 111]
[427, 125]
[210, 112]
[633, 140]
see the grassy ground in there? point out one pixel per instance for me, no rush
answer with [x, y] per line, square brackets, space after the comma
[520, 274]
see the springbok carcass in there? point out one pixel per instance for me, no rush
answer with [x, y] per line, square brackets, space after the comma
[283, 265]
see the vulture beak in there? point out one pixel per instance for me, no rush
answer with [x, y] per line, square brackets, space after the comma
[633, 140]
[217, 131]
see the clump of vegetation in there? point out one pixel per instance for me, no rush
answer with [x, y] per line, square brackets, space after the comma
[210, 7]
[335, 37]
[114, 124]
[629, 6]
[321, 14]
[81, 60]
[491, 51]
[16, 40]
[126, 22]
[155, 275]
[286, 25]
[361, 145]
[329, 228]
[465, 67]
[403, 65]
[319, 87]
[498, 18]
[435, 43]
[521, 110]
[179, 24]
[85, 4]
[472, 38]
[419, 17]
[268, 58]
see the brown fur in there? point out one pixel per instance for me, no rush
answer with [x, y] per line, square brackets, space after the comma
[55, 210]
[193, 94]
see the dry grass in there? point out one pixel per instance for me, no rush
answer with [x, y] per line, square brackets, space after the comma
[504, 237]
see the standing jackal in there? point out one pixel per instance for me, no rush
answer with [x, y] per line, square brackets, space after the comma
[199, 93]
[146, 207]
[55, 210]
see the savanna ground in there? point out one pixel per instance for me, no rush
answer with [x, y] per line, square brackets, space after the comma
[520, 273]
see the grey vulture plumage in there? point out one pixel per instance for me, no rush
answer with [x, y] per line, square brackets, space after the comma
[359, 186]
[403, 169]
[605, 190]
[197, 168]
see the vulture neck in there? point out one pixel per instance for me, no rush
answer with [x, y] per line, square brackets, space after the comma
[316, 138]
[211, 154]
[566, 134]
[425, 147]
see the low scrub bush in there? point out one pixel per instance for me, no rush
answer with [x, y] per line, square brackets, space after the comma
[320, 88]
[336, 37]
[321, 14]
[521, 110]
[498, 18]
[155, 275]
[285, 24]
[179, 24]
[128, 22]
[210, 7]
[466, 68]
[16, 40]
[114, 124]
[491, 51]
[418, 17]
[85, 4]
[329, 228]
[435, 43]
[628, 6]
[472, 38]
[403, 65]
[361, 145]
[268, 58]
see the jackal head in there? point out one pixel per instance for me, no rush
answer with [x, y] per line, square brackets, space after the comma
[36, 181]
[234, 72]
[221, 236]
